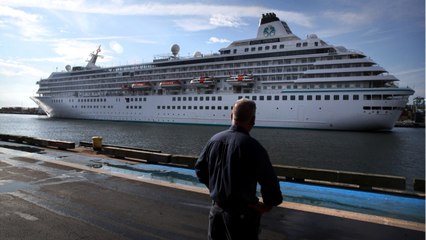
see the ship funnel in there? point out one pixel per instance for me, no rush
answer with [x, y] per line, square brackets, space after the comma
[270, 26]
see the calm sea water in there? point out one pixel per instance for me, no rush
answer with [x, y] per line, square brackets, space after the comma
[400, 152]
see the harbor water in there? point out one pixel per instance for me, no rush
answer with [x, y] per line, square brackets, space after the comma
[400, 152]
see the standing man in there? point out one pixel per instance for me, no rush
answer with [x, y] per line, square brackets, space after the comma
[230, 165]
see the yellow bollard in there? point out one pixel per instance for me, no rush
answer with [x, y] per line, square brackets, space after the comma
[97, 143]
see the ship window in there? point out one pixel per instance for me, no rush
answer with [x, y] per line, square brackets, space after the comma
[355, 97]
[219, 107]
[284, 97]
[292, 97]
[246, 50]
[261, 98]
[140, 107]
[298, 44]
[345, 97]
[387, 108]
[318, 97]
[179, 99]
[305, 44]
[254, 98]
[195, 99]
[300, 97]
[207, 98]
[163, 107]
[267, 47]
[336, 97]
[226, 107]
[127, 107]
[189, 98]
[377, 97]
[184, 107]
[213, 107]
[189, 107]
[178, 107]
[387, 97]
[173, 107]
[376, 108]
[174, 99]
[276, 97]
[253, 49]
[235, 51]
[201, 107]
[309, 97]
[327, 97]
[168, 107]
[213, 98]
[367, 97]
[239, 97]
[366, 108]
[219, 98]
[207, 107]
[281, 46]
[316, 44]
[259, 49]
[158, 107]
[269, 98]
[195, 107]
[274, 47]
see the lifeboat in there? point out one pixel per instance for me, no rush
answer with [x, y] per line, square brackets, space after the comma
[144, 85]
[202, 82]
[170, 84]
[241, 80]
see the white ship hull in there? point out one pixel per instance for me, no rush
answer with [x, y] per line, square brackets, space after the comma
[272, 110]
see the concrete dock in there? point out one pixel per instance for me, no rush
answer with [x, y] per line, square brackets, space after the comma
[44, 197]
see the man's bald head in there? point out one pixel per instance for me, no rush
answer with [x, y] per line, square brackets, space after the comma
[244, 113]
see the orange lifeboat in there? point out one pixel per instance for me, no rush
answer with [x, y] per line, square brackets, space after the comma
[202, 82]
[241, 80]
[170, 84]
[143, 85]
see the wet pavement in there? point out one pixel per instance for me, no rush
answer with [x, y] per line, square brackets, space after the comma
[44, 197]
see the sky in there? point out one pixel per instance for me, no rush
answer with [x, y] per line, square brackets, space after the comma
[38, 37]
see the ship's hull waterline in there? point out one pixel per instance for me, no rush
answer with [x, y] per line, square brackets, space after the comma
[272, 111]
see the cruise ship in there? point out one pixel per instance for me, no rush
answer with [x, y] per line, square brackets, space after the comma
[296, 83]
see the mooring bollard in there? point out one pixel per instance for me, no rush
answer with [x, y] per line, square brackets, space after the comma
[97, 143]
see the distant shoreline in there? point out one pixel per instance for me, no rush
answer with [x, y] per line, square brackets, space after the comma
[21, 110]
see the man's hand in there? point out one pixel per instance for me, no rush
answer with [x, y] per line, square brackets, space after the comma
[261, 207]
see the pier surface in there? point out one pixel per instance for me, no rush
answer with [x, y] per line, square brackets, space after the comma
[44, 197]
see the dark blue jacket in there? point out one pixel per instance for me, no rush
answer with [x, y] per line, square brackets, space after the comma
[231, 164]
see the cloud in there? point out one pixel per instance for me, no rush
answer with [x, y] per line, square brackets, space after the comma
[188, 10]
[29, 25]
[221, 20]
[194, 24]
[9, 68]
[217, 40]
[116, 47]
[73, 50]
